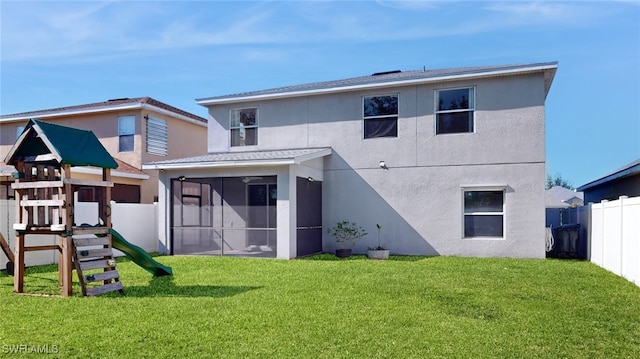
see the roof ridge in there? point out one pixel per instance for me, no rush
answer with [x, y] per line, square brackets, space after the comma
[106, 104]
[378, 78]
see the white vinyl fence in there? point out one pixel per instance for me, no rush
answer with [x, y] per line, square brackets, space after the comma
[615, 237]
[137, 223]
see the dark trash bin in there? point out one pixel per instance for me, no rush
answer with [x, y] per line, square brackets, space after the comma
[568, 242]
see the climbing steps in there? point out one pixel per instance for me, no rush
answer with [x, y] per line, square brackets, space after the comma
[96, 266]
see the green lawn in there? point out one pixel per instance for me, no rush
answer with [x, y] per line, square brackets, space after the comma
[406, 307]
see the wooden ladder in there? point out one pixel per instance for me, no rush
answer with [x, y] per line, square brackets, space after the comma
[96, 266]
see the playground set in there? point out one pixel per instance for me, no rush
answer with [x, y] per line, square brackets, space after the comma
[44, 193]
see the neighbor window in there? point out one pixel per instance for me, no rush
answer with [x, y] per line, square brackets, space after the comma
[156, 136]
[244, 127]
[454, 110]
[19, 130]
[126, 131]
[484, 213]
[380, 116]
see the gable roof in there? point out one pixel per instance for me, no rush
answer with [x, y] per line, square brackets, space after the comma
[106, 106]
[388, 79]
[630, 169]
[65, 145]
[561, 197]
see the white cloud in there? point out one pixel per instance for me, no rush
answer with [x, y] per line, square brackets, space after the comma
[86, 31]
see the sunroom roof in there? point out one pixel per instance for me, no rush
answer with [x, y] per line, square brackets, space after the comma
[242, 159]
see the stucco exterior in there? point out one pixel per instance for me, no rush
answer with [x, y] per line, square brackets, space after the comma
[418, 198]
[102, 120]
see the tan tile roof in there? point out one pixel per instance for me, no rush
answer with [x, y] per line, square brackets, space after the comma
[123, 167]
[127, 168]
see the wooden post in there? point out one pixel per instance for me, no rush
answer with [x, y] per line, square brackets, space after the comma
[106, 199]
[66, 242]
[66, 265]
[106, 176]
[18, 271]
[6, 249]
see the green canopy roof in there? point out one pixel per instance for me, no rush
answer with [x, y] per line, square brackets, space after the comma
[68, 145]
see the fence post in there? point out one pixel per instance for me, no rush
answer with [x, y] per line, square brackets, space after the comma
[589, 238]
[603, 232]
[622, 264]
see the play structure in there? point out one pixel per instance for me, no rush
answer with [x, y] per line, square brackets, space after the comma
[44, 192]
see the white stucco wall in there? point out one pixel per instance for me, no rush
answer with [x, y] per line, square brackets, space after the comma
[418, 200]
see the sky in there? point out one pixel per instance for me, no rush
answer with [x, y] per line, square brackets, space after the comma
[56, 54]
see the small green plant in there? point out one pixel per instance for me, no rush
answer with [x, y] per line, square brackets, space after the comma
[380, 247]
[346, 234]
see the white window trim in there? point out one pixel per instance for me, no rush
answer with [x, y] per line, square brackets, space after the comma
[364, 118]
[472, 108]
[256, 126]
[489, 187]
[132, 134]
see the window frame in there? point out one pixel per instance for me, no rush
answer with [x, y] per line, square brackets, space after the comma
[256, 126]
[122, 135]
[503, 213]
[379, 117]
[472, 109]
[19, 130]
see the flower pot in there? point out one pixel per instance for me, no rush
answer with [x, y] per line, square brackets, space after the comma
[343, 253]
[378, 253]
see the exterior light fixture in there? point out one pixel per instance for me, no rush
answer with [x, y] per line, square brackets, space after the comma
[182, 178]
[310, 179]
[383, 165]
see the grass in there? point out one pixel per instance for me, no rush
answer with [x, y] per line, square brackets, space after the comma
[406, 307]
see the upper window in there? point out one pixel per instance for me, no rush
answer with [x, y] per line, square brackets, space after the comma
[244, 127]
[380, 116]
[484, 213]
[126, 131]
[19, 130]
[156, 136]
[454, 110]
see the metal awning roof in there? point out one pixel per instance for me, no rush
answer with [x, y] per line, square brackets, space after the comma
[242, 159]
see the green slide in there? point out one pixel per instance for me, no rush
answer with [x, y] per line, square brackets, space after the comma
[138, 255]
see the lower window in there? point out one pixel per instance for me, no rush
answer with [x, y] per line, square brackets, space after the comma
[484, 213]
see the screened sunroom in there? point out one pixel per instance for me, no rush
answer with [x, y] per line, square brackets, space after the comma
[266, 204]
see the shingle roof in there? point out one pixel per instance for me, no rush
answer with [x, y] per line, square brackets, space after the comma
[630, 169]
[248, 158]
[393, 77]
[560, 197]
[104, 105]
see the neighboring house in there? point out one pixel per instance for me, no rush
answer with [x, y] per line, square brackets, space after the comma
[624, 181]
[557, 200]
[561, 197]
[133, 130]
[448, 162]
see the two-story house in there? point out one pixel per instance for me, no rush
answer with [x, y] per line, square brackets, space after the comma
[133, 130]
[448, 162]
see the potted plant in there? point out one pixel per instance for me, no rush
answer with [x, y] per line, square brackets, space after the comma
[346, 234]
[379, 252]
